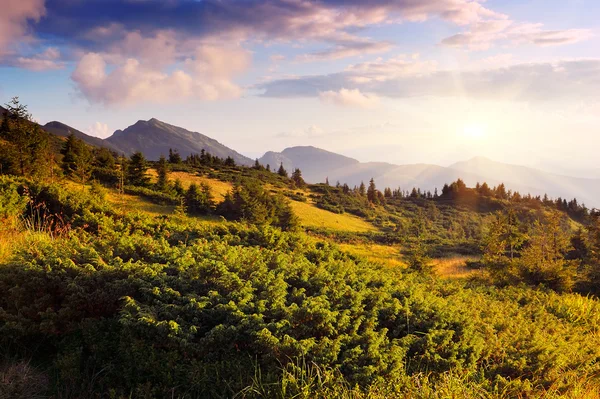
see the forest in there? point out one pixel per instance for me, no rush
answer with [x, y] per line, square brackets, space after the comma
[198, 278]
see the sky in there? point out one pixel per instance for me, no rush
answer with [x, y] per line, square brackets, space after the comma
[401, 81]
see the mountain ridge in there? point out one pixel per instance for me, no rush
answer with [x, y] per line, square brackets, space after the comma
[154, 138]
[425, 176]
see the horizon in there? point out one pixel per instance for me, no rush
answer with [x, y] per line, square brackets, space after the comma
[438, 83]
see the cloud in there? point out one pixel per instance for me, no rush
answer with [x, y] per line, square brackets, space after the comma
[49, 59]
[13, 21]
[349, 49]
[568, 80]
[206, 76]
[99, 130]
[482, 35]
[349, 98]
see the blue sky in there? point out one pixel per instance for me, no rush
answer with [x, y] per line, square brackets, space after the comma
[401, 81]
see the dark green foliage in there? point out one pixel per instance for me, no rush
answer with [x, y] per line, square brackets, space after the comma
[24, 147]
[281, 171]
[199, 200]
[174, 157]
[297, 178]
[136, 170]
[251, 203]
[372, 193]
[168, 309]
[162, 170]
[77, 159]
[158, 197]
[539, 257]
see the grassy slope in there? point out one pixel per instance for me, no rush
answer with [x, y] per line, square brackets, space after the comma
[311, 216]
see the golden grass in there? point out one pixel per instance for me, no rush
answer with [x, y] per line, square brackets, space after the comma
[218, 188]
[387, 255]
[10, 239]
[311, 216]
[126, 203]
[454, 267]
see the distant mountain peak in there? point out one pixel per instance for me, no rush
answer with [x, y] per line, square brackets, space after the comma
[154, 138]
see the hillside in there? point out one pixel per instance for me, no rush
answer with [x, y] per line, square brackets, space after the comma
[154, 138]
[315, 163]
[318, 164]
[62, 130]
[533, 181]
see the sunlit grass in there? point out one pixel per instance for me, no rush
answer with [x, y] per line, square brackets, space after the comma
[9, 240]
[218, 188]
[454, 267]
[387, 255]
[311, 216]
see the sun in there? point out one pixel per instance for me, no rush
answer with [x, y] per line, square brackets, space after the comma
[474, 131]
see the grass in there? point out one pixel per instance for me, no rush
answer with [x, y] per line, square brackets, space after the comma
[454, 267]
[382, 254]
[9, 240]
[219, 188]
[311, 216]
[127, 203]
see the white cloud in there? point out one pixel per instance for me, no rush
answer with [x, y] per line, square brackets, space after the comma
[349, 98]
[99, 130]
[13, 21]
[545, 82]
[206, 76]
[345, 50]
[482, 35]
[49, 59]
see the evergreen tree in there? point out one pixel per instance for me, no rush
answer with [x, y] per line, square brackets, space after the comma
[77, 159]
[593, 258]
[104, 159]
[362, 190]
[229, 161]
[174, 157]
[178, 187]
[281, 171]
[162, 171]
[543, 260]
[27, 143]
[198, 201]
[297, 178]
[136, 170]
[372, 192]
[417, 251]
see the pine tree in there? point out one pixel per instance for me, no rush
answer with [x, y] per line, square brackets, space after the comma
[372, 192]
[297, 178]
[27, 142]
[543, 260]
[77, 159]
[417, 251]
[174, 157]
[162, 170]
[198, 201]
[229, 161]
[281, 171]
[136, 170]
[362, 190]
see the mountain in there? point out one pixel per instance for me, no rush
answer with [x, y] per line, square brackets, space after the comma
[534, 181]
[316, 163]
[154, 138]
[62, 130]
